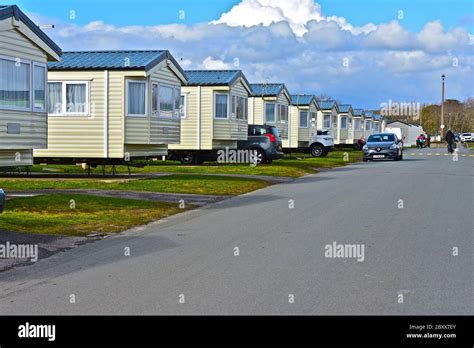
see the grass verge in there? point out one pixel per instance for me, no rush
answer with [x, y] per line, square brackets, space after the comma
[53, 214]
[293, 165]
[194, 184]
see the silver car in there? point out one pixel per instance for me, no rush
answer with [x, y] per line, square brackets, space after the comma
[383, 146]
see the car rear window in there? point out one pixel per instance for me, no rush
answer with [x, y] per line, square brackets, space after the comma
[275, 131]
[378, 138]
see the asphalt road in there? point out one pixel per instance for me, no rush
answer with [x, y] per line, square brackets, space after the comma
[407, 251]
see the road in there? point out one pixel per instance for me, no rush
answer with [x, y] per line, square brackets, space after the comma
[281, 266]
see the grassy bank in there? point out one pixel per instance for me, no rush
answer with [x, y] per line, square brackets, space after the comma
[294, 165]
[80, 215]
[194, 184]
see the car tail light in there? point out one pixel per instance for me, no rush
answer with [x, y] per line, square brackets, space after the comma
[271, 137]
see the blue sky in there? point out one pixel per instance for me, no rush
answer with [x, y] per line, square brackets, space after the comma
[356, 51]
[358, 12]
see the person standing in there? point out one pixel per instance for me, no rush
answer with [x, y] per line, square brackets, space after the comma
[428, 140]
[450, 140]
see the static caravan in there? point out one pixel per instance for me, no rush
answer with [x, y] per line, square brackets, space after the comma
[109, 107]
[327, 116]
[358, 124]
[303, 115]
[24, 53]
[214, 114]
[368, 123]
[377, 118]
[409, 131]
[344, 133]
[269, 104]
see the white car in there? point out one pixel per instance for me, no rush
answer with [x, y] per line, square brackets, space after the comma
[466, 137]
[321, 143]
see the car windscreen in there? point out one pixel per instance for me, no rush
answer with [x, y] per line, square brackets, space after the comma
[379, 138]
[466, 134]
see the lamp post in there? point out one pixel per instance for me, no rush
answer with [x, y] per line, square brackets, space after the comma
[442, 106]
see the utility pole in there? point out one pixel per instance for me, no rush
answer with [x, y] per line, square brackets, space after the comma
[442, 106]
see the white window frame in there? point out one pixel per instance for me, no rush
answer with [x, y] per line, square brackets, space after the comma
[157, 99]
[369, 124]
[184, 106]
[307, 118]
[235, 99]
[345, 117]
[355, 124]
[228, 95]
[274, 112]
[22, 61]
[280, 107]
[64, 97]
[42, 65]
[324, 120]
[176, 92]
[127, 82]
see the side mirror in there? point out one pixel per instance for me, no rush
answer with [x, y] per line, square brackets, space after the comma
[2, 200]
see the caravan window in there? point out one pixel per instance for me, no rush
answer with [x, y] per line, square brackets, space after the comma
[68, 98]
[136, 98]
[177, 102]
[270, 109]
[221, 105]
[39, 92]
[239, 107]
[356, 124]
[15, 84]
[166, 101]
[55, 97]
[283, 114]
[182, 106]
[154, 99]
[303, 119]
[327, 121]
[343, 122]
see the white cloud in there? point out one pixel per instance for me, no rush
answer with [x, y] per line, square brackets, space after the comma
[433, 38]
[389, 35]
[214, 64]
[297, 13]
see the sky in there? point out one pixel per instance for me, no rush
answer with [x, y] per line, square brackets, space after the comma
[362, 52]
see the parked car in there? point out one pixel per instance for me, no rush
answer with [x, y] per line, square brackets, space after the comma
[321, 143]
[383, 146]
[2, 200]
[359, 144]
[265, 140]
[466, 137]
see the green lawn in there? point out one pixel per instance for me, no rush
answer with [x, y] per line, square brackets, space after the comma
[289, 166]
[195, 184]
[52, 214]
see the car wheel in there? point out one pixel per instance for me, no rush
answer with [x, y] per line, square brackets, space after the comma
[401, 157]
[260, 156]
[188, 159]
[317, 150]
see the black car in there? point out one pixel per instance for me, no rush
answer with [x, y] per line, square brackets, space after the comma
[265, 140]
